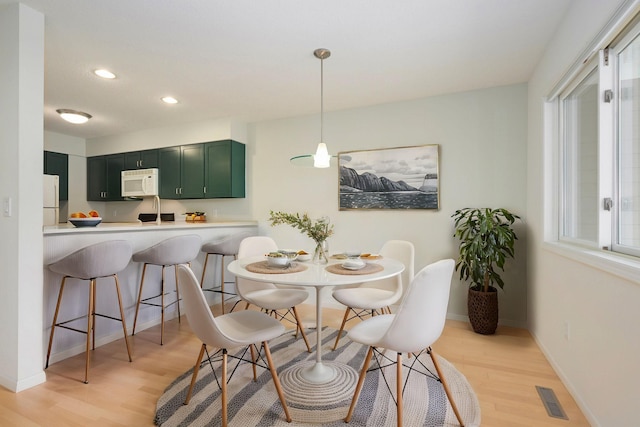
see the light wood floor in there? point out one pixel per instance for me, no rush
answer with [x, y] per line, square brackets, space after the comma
[503, 369]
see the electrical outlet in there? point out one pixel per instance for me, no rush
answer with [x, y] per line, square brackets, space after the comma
[567, 330]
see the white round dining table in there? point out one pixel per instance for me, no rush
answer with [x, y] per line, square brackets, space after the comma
[316, 276]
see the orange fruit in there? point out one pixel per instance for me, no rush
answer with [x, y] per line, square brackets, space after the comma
[78, 215]
[94, 214]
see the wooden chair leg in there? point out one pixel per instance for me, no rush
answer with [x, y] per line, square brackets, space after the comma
[89, 329]
[224, 387]
[276, 381]
[55, 319]
[204, 270]
[175, 267]
[222, 283]
[162, 308]
[253, 362]
[446, 387]
[399, 389]
[196, 369]
[299, 323]
[344, 320]
[124, 325]
[135, 318]
[356, 394]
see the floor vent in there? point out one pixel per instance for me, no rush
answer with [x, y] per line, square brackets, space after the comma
[551, 403]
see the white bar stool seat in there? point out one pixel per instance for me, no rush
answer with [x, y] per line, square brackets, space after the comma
[100, 260]
[222, 247]
[169, 252]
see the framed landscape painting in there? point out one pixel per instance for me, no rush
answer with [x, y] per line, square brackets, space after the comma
[390, 178]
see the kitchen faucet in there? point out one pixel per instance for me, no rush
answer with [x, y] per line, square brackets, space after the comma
[156, 202]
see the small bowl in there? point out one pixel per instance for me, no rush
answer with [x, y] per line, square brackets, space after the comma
[304, 257]
[352, 254]
[354, 264]
[85, 222]
[278, 260]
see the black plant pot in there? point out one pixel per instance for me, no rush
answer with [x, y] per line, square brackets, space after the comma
[482, 308]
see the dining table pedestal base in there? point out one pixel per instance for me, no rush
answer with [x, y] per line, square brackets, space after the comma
[318, 383]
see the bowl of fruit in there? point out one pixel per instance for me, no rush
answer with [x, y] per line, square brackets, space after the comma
[81, 219]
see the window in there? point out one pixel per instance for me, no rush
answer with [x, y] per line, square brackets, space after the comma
[627, 230]
[599, 132]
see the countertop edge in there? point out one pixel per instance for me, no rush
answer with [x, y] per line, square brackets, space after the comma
[147, 226]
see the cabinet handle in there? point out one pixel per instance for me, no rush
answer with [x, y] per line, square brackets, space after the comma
[177, 191]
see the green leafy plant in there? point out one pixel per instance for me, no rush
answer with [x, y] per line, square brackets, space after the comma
[486, 239]
[318, 230]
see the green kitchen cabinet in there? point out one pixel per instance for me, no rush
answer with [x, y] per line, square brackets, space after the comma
[141, 159]
[104, 178]
[224, 169]
[58, 164]
[182, 172]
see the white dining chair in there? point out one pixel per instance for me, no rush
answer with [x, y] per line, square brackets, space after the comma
[372, 298]
[278, 302]
[417, 324]
[227, 331]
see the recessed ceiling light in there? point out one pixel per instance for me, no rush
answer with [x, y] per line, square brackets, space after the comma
[105, 74]
[73, 116]
[169, 100]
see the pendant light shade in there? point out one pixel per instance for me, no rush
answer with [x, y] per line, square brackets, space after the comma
[322, 158]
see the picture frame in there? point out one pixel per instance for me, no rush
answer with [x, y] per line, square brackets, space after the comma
[390, 178]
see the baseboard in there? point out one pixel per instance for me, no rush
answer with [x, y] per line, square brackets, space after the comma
[26, 383]
[569, 386]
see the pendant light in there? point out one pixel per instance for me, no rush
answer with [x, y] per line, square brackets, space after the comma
[322, 158]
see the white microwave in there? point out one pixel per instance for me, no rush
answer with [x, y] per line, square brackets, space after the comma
[140, 183]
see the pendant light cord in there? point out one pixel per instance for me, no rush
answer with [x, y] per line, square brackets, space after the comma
[321, 99]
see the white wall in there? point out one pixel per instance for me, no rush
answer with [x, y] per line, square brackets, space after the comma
[482, 138]
[598, 362]
[21, 123]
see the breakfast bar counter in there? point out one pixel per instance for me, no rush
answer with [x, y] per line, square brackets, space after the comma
[64, 239]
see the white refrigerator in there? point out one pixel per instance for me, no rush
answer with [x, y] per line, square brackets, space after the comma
[51, 200]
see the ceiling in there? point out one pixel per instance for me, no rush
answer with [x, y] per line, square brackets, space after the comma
[247, 60]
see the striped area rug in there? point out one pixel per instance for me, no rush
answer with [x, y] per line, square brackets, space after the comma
[256, 403]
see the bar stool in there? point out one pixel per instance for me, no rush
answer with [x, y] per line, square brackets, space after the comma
[169, 252]
[222, 247]
[100, 260]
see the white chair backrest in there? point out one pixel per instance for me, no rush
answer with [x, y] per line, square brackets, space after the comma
[403, 251]
[250, 247]
[199, 315]
[421, 316]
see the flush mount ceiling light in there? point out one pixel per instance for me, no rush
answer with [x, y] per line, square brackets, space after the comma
[105, 74]
[322, 158]
[169, 100]
[73, 116]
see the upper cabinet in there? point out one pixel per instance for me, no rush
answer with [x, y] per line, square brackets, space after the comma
[58, 164]
[195, 171]
[225, 169]
[104, 181]
[182, 172]
[141, 159]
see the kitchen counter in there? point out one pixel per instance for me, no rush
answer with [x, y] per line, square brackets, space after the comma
[143, 226]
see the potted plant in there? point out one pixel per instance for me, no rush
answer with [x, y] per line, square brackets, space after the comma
[486, 239]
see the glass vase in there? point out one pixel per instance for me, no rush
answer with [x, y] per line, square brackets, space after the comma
[320, 253]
